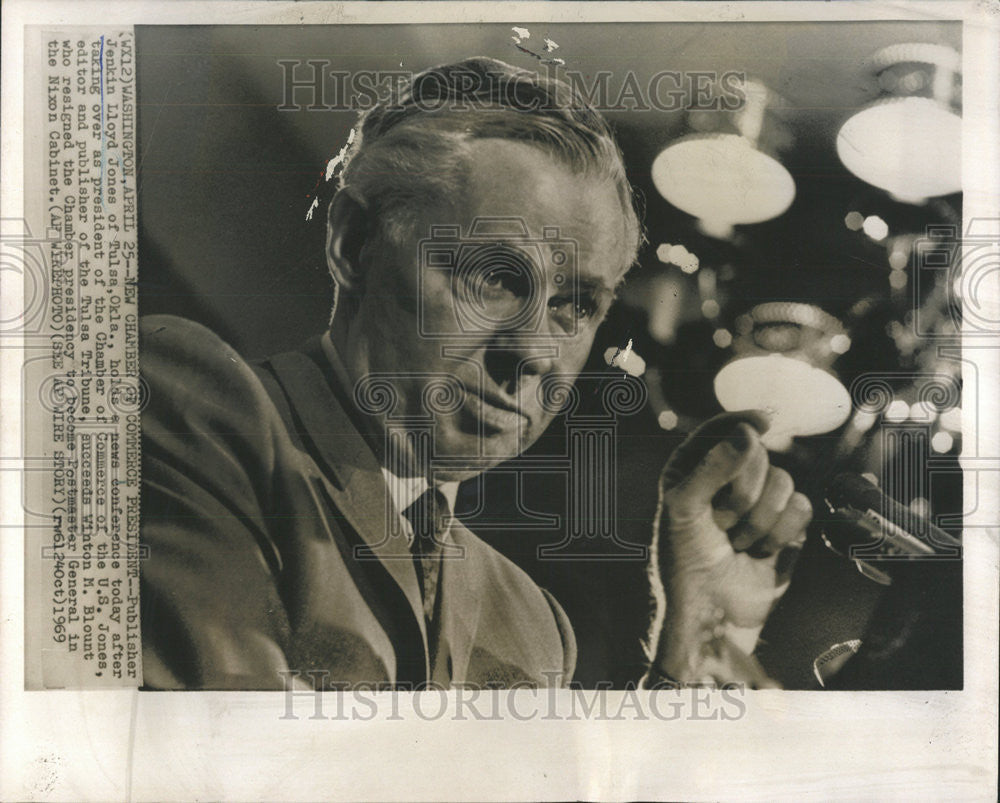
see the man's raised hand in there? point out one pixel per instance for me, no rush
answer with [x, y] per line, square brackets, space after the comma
[725, 527]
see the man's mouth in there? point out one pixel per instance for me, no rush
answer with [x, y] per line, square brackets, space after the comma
[495, 411]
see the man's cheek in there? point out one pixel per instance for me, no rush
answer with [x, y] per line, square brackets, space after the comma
[574, 350]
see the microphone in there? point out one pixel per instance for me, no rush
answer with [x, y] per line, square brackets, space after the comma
[914, 638]
[866, 524]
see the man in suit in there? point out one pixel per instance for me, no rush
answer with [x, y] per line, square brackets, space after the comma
[298, 511]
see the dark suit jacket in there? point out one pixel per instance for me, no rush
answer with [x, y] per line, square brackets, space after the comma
[264, 511]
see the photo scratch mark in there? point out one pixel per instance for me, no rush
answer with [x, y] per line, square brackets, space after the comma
[331, 171]
[625, 359]
[337, 160]
[542, 59]
[521, 34]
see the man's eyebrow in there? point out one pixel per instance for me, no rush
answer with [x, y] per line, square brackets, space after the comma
[599, 283]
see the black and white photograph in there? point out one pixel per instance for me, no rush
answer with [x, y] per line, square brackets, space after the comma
[619, 377]
[731, 248]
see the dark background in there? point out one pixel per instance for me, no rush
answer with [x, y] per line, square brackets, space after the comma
[226, 179]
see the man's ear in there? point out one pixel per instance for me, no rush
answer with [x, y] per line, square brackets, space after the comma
[347, 232]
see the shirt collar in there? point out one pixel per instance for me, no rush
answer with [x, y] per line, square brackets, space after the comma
[403, 490]
[406, 490]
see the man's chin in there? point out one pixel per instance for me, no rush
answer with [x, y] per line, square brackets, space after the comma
[460, 456]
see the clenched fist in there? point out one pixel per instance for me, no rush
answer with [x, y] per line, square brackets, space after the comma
[727, 523]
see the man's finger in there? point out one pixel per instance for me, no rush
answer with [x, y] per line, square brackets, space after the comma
[720, 466]
[742, 493]
[791, 524]
[778, 489]
[686, 457]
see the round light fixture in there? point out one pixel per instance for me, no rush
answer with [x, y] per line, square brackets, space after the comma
[723, 180]
[910, 147]
[909, 142]
[722, 171]
[801, 399]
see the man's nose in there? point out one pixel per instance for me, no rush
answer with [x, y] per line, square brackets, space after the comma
[512, 356]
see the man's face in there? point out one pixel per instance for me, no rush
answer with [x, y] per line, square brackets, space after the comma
[484, 321]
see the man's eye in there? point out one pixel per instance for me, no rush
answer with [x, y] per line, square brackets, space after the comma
[496, 272]
[580, 309]
[494, 277]
[496, 284]
[495, 280]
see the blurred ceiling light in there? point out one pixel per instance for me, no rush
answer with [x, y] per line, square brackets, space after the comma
[875, 227]
[678, 255]
[840, 344]
[667, 419]
[690, 264]
[897, 279]
[907, 143]
[724, 178]
[898, 258]
[802, 399]
[942, 442]
[722, 338]
[854, 221]
[898, 410]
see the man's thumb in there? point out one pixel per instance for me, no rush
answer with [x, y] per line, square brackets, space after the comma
[718, 467]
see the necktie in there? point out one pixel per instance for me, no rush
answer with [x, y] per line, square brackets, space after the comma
[430, 518]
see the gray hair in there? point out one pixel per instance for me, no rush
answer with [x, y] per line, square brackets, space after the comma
[412, 147]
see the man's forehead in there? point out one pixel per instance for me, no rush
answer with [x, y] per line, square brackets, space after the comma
[525, 176]
[519, 183]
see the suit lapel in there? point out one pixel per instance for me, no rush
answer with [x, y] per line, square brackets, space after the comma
[357, 486]
[460, 589]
